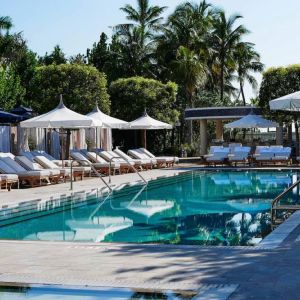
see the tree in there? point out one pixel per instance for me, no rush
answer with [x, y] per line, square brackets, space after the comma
[98, 56]
[56, 57]
[78, 59]
[81, 86]
[248, 62]
[225, 37]
[131, 96]
[11, 90]
[136, 39]
[5, 24]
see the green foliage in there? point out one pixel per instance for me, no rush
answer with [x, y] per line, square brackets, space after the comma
[56, 57]
[81, 86]
[131, 96]
[278, 82]
[11, 90]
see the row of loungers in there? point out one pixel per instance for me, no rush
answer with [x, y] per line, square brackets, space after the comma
[38, 168]
[241, 154]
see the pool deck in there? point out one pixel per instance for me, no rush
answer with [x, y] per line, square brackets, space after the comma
[269, 271]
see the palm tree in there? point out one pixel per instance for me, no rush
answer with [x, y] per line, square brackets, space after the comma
[5, 24]
[137, 38]
[147, 18]
[225, 37]
[248, 62]
[191, 73]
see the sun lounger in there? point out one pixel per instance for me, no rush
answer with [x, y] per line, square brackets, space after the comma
[7, 180]
[217, 155]
[110, 156]
[281, 154]
[239, 155]
[66, 162]
[78, 172]
[139, 163]
[32, 178]
[96, 158]
[54, 175]
[138, 154]
[77, 155]
[170, 160]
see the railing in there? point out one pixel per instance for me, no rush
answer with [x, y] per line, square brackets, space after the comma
[129, 164]
[86, 163]
[274, 206]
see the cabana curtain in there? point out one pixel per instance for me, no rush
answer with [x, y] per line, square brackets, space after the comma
[5, 138]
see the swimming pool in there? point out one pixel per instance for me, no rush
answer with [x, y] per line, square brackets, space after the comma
[194, 208]
[68, 293]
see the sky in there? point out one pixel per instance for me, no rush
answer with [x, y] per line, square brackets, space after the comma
[76, 24]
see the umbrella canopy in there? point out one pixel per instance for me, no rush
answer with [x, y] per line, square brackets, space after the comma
[6, 117]
[148, 123]
[61, 117]
[251, 121]
[289, 102]
[107, 120]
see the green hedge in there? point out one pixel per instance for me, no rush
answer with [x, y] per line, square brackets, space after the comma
[82, 86]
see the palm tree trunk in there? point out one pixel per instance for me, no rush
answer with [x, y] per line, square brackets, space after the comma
[222, 79]
[242, 92]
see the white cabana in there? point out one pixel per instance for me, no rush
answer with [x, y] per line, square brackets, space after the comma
[251, 121]
[289, 102]
[107, 120]
[145, 122]
[61, 117]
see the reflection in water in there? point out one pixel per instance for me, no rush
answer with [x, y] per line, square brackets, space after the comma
[201, 208]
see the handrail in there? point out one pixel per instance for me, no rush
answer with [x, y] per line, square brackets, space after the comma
[133, 168]
[279, 197]
[92, 167]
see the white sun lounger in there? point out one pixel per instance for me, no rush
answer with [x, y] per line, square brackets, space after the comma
[217, 155]
[7, 180]
[141, 163]
[33, 178]
[138, 154]
[66, 162]
[239, 154]
[96, 158]
[170, 160]
[111, 156]
[54, 175]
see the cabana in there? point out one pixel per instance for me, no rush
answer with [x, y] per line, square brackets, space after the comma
[145, 122]
[104, 140]
[61, 118]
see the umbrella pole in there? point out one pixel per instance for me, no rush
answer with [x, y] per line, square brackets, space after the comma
[144, 138]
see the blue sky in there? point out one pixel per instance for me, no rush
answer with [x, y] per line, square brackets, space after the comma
[76, 24]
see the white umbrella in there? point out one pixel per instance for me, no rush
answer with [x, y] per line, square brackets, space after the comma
[61, 117]
[289, 102]
[251, 121]
[107, 120]
[145, 122]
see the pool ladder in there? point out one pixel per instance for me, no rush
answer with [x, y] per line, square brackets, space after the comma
[281, 208]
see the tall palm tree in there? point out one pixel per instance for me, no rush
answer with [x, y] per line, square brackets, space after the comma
[191, 73]
[226, 36]
[147, 18]
[137, 38]
[5, 24]
[248, 62]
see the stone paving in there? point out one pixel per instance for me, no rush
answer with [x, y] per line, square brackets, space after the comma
[270, 271]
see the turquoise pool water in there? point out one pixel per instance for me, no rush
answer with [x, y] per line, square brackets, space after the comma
[54, 293]
[202, 208]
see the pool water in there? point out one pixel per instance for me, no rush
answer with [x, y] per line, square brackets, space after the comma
[194, 208]
[54, 293]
